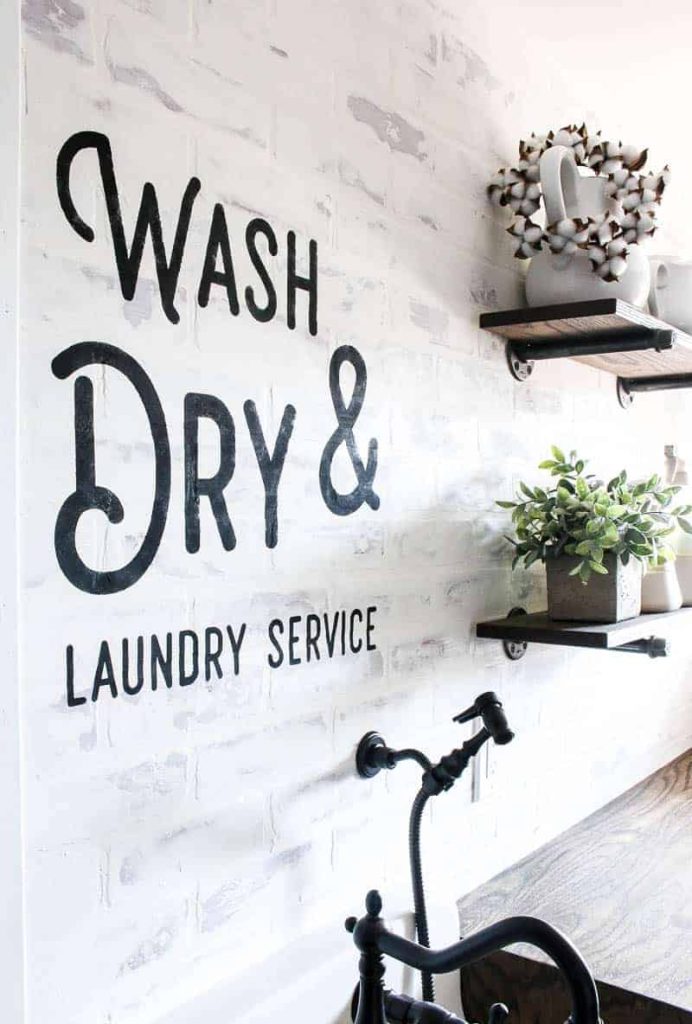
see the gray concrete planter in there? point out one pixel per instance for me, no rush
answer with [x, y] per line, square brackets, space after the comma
[608, 598]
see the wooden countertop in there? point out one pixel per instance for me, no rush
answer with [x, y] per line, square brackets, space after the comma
[619, 884]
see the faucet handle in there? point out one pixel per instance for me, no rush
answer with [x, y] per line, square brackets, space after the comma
[489, 707]
[498, 1013]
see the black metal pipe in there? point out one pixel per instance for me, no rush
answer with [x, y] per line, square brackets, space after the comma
[609, 344]
[585, 1005]
[671, 382]
[654, 646]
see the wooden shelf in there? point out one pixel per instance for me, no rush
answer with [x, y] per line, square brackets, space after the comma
[645, 353]
[606, 333]
[634, 635]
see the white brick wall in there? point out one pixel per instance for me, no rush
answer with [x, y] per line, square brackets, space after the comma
[177, 840]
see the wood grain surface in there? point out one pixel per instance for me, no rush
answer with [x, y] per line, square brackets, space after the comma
[619, 884]
[537, 627]
[582, 320]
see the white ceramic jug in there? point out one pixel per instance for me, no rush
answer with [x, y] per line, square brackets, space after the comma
[569, 278]
[670, 297]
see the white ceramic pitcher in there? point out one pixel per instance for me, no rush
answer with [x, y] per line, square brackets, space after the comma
[670, 297]
[569, 278]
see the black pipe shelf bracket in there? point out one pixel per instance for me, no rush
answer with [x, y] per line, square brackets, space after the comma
[630, 636]
[644, 354]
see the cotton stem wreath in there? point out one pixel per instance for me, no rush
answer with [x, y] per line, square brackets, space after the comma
[606, 239]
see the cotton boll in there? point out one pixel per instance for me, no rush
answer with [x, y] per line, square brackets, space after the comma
[631, 201]
[604, 233]
[597, 255]
[566, 227]
[563, 137]
[617, 266]
[518, 190]
[620, 177]
[533, 233]
[618, 247]
[533, 191]
[556, 243]
[610, 165]
[633, 157]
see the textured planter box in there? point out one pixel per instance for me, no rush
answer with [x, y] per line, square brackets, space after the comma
[608, 598]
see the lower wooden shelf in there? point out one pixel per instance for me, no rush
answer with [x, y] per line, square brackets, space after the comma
[631, 635]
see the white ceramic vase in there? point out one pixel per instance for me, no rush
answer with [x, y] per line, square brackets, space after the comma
[683, 567]
[563, 278]
[670, 297]
[660, 589]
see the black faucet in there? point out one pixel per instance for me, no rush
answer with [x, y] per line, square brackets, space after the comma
[373, 755]
[373, 940]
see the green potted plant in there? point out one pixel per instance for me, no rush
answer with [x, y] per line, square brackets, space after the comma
[593, 537]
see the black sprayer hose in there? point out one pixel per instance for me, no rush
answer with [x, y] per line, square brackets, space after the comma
[421, 914]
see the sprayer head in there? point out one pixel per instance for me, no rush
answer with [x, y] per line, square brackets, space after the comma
[489, 708]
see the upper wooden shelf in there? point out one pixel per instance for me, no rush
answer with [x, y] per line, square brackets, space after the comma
[537, 332]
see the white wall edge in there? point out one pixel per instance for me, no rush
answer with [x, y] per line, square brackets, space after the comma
[12, 947]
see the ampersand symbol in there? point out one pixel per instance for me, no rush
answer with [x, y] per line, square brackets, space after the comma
[346, 415]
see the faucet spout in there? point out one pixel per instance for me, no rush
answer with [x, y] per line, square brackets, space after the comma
[585, 1005]
[371, 936]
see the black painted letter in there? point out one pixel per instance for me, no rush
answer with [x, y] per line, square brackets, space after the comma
[254, 228]
[87, 495]
[295, 281]
[197, 406]
[148, 220]
[271, 466]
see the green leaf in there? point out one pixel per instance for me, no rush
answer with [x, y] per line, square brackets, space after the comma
[576, 570]
[559, 455]
[685, 526]
[506, 504]
[598, 567]
[526, 490]
[546, 464]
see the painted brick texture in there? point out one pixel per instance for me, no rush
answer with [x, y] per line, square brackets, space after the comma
[177, 839]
